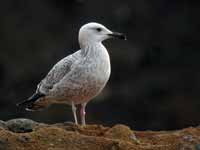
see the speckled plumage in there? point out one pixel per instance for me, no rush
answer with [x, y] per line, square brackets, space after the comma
[79, 77]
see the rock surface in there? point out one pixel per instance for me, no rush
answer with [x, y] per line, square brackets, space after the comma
[25, 134]
[21, 125]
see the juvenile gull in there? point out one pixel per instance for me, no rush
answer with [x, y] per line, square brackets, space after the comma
[79, 77]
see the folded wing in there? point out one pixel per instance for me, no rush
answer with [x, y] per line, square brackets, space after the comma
[56, 74]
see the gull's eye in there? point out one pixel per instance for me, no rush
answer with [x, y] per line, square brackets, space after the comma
[99, 29]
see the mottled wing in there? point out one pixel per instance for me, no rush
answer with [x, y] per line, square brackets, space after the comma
[56, 74]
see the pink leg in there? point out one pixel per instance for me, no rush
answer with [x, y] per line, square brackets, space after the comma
[74, 113]
[82, 113]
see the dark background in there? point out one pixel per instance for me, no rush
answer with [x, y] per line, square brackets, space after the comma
[155, 79]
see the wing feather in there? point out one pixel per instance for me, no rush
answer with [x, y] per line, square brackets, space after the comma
[58, 71]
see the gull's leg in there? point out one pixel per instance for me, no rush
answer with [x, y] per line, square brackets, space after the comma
[74, 113]
[82, 113]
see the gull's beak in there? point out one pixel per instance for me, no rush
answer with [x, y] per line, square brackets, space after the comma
[117, 35]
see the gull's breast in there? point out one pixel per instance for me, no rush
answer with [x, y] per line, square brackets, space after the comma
[86, 80]
[94, 76]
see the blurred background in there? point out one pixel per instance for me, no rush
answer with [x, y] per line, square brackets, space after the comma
[155, 79]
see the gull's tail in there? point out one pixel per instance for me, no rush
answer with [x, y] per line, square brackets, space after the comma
[31, 100]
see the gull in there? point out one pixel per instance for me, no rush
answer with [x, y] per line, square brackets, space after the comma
[79, 77]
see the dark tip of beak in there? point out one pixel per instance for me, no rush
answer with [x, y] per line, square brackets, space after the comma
[118, 35]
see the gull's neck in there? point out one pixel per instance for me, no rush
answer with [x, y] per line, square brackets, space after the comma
[91, 48]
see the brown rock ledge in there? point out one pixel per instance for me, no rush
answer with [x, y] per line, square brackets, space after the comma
[67, 136]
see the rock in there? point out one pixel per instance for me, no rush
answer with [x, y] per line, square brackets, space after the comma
[121, 132]
[3, 124]
[24, 138]
[4, 144]
[68, 136]
[197, 147]
[21, 125]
